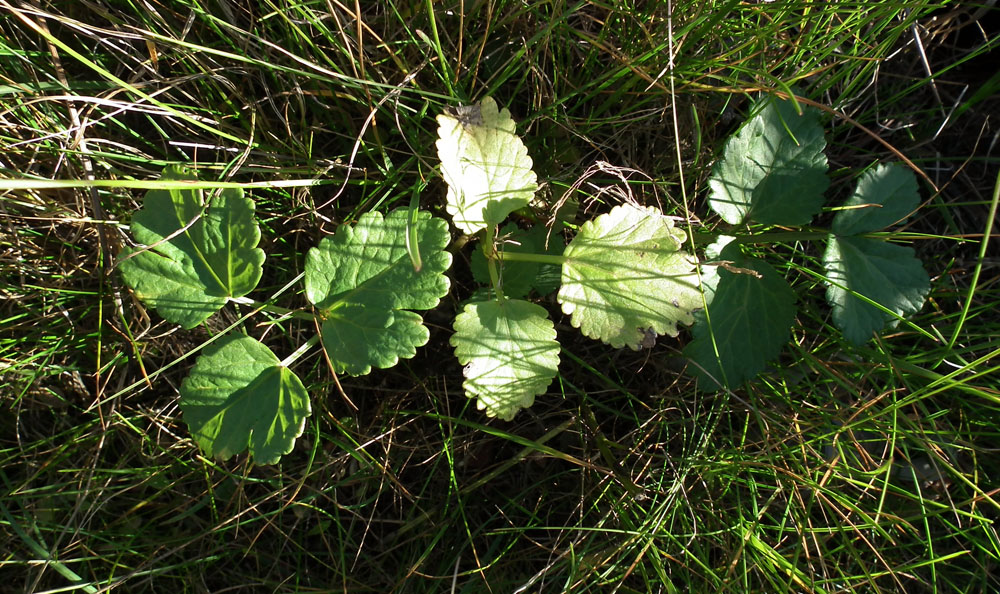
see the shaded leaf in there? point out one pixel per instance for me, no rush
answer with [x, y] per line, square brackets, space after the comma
[520, 278]
[358, 338]
[362, 279]
[485, 164]
[751, 318]
[239, 395]
[509, 352]
[887, 274]
[191, 275]
[625, 275]
[773, 170]
[891, 190]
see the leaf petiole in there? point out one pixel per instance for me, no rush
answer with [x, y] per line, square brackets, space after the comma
[287, 361]
[282, 311]
[490, 251]
[765, 238]
[528, 257]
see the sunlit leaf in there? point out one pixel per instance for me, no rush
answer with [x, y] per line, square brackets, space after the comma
[486, 165]
[626, 276]
[509, 352]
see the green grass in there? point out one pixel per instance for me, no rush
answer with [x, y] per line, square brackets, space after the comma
[867, 469]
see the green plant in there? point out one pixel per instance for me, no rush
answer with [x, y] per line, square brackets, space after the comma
[773, 172]
[624, 278]
[200, 253]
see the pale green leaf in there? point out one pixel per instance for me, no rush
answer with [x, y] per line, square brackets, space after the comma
[509, 352]
[357, 339]
[884, 195]
[362, 279]
[187, 275]
[625, 276]
[751, 309]
[239, 395]
[773, 170]
[887, 274]
[485, 164]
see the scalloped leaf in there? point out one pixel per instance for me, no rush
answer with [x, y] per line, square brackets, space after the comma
[238, 396]
[509, 352]
[357, 339]
[887, 274]
[485, 164]
[773, 170]
[625, 277]
[195, 259]
[861, 271]
[362, 280]
[751, 308]
[884, 196]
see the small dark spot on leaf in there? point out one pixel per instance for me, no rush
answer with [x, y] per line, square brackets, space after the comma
[648, 338]
[467, 115]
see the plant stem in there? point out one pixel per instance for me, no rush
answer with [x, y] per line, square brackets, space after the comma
[490, 251]
[446, 71]
[699, 238]
[529, 257]
[768, 237]
[260, 306]
[789, 236]
[974, 284]
[300, 351]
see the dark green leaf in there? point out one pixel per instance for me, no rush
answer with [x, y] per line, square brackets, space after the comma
[885, 195]
[239, 395]
[189, 276]
[520, 278]
[750, 316]
[887, 274]
[362, 280]
[367, 264]
[773, 170]
[357, 339]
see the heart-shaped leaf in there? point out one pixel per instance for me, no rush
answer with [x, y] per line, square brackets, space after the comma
[197, 255]
[239, 395]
